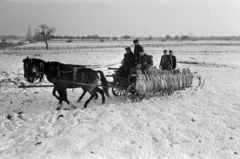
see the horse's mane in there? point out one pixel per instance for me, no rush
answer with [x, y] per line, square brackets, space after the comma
[54, 62]
[63, 65]
[33, 59]
[38, 59]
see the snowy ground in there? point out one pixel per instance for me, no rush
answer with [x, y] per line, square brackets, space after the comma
[200, 122]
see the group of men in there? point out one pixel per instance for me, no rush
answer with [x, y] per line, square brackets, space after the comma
[168, 62]
[140, 60]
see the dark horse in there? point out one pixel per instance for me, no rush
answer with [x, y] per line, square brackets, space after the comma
[72, 76]
[36, 64]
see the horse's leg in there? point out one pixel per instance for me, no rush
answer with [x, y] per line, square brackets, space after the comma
[83, 94]
[60, 99]
[102, 93]
[96, 97]
[64, 94]
[54, 93]
[93, 94]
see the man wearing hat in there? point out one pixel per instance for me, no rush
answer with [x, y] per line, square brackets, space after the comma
[128, 62]
[145, 61]
[165, 62]
[137, 48]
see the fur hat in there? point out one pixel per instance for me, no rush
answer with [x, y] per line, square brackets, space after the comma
[141, 49]
[128, 48]
[135, 41]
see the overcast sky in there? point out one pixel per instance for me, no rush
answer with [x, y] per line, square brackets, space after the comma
[121, 17]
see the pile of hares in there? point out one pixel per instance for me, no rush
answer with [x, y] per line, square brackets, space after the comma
[163, 81]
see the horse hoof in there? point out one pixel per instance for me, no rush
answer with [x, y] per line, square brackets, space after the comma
[72, 106]
[58, 108]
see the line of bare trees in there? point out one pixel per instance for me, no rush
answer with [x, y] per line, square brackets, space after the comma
[42, 33]
[45, 33]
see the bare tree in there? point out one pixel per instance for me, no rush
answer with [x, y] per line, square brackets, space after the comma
[46, 32]
[168, 37]
[176, 37]
[126, 37]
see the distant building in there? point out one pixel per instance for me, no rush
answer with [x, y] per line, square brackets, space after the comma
[26, 42]
[4, 41]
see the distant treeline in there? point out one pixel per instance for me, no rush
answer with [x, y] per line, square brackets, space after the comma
[90, 37]
[166, 38]
[4, 38]
[12, 37]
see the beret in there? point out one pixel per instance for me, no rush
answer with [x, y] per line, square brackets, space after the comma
[135, 41]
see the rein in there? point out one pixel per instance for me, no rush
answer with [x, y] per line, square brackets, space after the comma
[40, 73]
[70, 70]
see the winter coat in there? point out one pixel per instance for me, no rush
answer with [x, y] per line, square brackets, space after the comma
[129, 59]
[146, 61]
[165, 62]
[128, 63]
[137, 49]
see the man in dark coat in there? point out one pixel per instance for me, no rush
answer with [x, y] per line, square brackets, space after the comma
[145, 61]
[128, 62]
[137, 49]
[165, 62]
[173, 59]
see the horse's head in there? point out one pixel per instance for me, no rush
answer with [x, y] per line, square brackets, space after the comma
[32, 69]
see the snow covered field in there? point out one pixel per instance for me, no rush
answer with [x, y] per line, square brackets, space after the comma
[200, 122]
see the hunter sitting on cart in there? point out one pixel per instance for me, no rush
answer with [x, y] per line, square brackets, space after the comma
[127, 63]
[144, 64]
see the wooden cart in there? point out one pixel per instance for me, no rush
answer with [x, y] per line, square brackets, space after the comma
[122, 86]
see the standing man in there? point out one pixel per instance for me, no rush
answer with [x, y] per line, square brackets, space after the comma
[165, 62]
[137, 49]
[173, 59]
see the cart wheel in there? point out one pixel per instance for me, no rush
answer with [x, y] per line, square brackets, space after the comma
[134, 97]
[118, 92]
[131, 98]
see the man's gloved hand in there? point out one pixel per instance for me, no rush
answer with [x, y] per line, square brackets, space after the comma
[138, 66]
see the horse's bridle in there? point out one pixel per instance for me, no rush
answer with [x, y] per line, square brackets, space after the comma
[38, 73]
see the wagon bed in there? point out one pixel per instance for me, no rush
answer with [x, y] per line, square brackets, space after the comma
[121, 86]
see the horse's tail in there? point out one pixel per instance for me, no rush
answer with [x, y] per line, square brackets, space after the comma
[104, 83]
